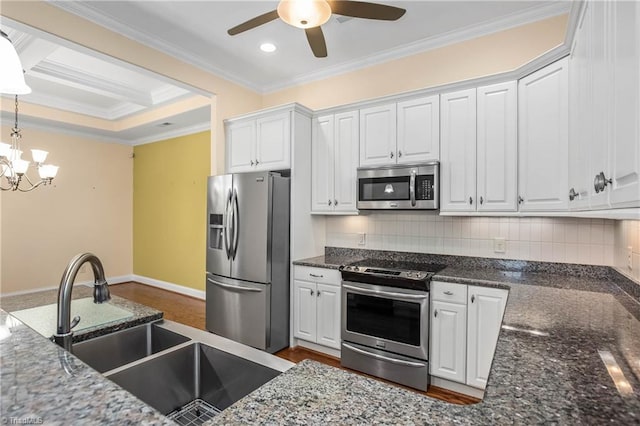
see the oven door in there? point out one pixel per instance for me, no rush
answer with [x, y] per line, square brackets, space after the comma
[386, 318]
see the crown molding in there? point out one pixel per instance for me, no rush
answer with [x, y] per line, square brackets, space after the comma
[457, 36]
[86, 11]
[182, 131]
[65, 105]
[167, 93]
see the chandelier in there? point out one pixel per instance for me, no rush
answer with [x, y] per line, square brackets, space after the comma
[14, 168]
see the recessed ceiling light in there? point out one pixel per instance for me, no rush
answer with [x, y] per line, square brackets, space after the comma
[268, 47]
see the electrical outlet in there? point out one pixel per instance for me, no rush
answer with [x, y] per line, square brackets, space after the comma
[499, 245]
[363, 239]
[630, 258]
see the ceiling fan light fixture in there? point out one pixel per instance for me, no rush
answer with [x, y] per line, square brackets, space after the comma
[268, 47]
[304, 13]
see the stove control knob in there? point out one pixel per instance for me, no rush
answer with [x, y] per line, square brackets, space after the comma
[409, 274]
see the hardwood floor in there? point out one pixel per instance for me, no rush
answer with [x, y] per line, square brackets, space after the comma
[191, 311]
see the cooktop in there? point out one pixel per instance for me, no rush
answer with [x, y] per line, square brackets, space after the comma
[411, 275]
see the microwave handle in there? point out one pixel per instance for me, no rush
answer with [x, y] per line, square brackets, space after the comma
[412, 188]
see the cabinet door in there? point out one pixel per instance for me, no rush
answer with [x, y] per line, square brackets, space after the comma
[273, 142]
[543, 139]
[458, 151]
[378, 135]
[580, 117]
[328, 316]
[304, 310]
[497, 147]
[448, 341]
[241, 141]
[625, 145]
[419, 130]
[485, 308]
[322, 164]
[345, 150]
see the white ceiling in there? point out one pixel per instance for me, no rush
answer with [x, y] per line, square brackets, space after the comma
[196, 32]
[75, 79]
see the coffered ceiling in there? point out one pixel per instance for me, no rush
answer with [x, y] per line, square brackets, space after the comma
[74, 79]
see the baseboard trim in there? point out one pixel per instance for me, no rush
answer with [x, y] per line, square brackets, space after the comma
[457, 387]
[87, 283]
[318, 348]
[176, 288]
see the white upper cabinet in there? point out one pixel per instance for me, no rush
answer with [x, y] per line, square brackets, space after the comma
[497, 136]
[543, 139]
[624, 149]
[378, 135]
[334, 163]
[404, 133]
[260, 141]
[418, 130]
[273, 142]
[458, 151]
[241, 143]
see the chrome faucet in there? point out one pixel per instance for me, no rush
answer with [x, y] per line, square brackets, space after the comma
[100, 294]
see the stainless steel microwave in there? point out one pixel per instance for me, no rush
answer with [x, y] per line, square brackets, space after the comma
[401, 187]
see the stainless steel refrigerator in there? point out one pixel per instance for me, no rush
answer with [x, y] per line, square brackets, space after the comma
[247, 287]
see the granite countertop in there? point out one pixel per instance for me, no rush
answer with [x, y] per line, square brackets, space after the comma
[44, 384]
[140, 314]
[327, 262]
[547, 366]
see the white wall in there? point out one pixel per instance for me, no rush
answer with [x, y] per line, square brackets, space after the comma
[627, 234]
[567, 240]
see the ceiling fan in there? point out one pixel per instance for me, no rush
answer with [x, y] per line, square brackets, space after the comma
[311, 14]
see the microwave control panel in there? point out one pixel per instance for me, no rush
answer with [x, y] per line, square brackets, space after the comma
[424, 187]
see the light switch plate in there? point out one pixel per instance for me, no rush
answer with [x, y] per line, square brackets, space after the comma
[630, 258]
[499, 245]
[363, 239]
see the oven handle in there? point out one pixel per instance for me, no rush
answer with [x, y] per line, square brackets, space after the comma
[386, 293]
[384, 358]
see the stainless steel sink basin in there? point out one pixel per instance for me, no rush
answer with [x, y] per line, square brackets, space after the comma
[195, 372]
[123, 347]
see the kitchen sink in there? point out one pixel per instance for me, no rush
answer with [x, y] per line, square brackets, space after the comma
[123, 347]
[194, 373]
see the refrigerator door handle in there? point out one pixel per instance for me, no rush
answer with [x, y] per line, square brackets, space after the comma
[234, 287]
[236, 224]
[226, 231]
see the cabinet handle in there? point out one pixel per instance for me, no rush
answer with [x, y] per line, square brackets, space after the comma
[318, 293]
[470, 200]
[520, 199]
[435, 313]
[316, 276]
[600, 182]
[335, 202]
[329, 202]
[448, 293]
[391, 155]
[572, 194]
[251, 163]
[481, 200]
[257, 162]
[399, 154]
[313, 292]
[473, 298]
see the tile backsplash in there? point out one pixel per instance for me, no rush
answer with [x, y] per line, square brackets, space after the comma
[567, 240]
[627, 234]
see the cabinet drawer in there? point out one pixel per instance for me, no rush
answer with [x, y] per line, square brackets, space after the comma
[318, 275]
[449, 292]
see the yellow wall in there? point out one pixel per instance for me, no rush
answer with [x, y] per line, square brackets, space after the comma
[491, 54]
[169, 209]
[88, 208]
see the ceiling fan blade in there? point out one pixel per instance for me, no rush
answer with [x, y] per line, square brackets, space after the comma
[255, 22]
[363, 9]
[316, 41]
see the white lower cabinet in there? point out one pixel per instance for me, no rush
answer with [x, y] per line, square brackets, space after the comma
[485, 307]
[448, 340]
[465, 324]
[316, 306]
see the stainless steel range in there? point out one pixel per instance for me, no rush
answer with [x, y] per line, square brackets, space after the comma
[385, 319]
